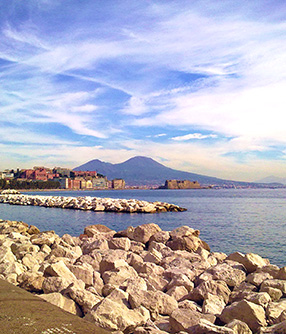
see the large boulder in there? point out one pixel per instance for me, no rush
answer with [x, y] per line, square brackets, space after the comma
[252, 314]
[184, 238]
[113, 314]
[63, 302]
[84, 298]
[59, 269]
[206, 327]
[44, 238]
[217, 288]
[143, 233]
[250, 261]
[274, 329]
[187, 319]
[274, 311]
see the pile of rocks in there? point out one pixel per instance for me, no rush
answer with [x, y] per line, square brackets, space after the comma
[144, 280]
[89, 203]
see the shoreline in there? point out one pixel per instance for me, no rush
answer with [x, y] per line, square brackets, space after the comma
[145, 280]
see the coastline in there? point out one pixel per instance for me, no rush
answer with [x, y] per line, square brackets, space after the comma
[145, 280]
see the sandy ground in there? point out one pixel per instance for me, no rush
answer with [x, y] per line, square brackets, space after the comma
[22, 312]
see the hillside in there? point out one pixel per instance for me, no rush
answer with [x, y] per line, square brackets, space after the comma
[146, 171]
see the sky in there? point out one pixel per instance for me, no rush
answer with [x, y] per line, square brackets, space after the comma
[199, 86]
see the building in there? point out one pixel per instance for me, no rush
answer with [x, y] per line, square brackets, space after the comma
[118, 184]
[85, 173]
[181, 184]
[6, 175]
[62, 172]
[100, 183]
[38, 174]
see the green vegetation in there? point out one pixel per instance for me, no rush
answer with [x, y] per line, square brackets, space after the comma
[13, 184]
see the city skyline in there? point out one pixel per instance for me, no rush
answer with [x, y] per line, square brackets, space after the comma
[197, 86]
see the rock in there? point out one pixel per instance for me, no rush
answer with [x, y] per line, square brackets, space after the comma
[242, 291]
[20, 250]
[275, 329]
[274, 283]
[90, 245]
[135, 284]
[63, 302]
[119, 275]
[181, 280]
[185, 238]
[281, 273]
[113, 314]
[6, 255]
[44, 238]
[97, 282]
[161, 236]
[258, 278]
[30, 262]
[253, 315]
[213, 304]
[112, 261]
[228, 272]
[119, 243]
[251, 261]
[33, 230]
[259, 298]
[143, 233]
[178, 292]
[66, 251]
[54, 284]
[83, 272]
[147, 330]
[274, 293]
[59, 269]
[274, 311]
[135, 261]
[206, 327]
[153, 256]
[239, 327]
[217, 288]
[93, 258]
[156, 302]
[186, 319]
[92, 230]
[84, 298]
[163, 323]
[32, 282]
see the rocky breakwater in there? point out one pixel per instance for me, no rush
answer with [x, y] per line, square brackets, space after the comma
[144, 280]
[89, 203]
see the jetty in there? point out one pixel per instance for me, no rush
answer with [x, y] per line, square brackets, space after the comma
[88, 203]
[141, 280]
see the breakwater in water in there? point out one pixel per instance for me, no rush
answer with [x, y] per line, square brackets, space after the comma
[89, 203]
[145, 280]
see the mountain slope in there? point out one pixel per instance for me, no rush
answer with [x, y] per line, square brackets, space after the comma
[146, 171]
[273, 179]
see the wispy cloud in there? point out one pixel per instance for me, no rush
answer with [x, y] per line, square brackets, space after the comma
[193, 136]
[209, 76]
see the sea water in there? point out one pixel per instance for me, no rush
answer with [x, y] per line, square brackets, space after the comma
[245, 220]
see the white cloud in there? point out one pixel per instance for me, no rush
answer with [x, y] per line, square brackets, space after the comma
[193, 136]
[84, 108]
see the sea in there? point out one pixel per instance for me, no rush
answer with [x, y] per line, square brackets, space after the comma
[229, 220]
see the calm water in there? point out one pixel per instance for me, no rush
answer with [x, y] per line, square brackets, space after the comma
[248, 220]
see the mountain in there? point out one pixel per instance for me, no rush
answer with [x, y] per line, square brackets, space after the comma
[273, 179]
[146, 171]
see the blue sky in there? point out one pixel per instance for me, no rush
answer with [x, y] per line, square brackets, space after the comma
[197, 85]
